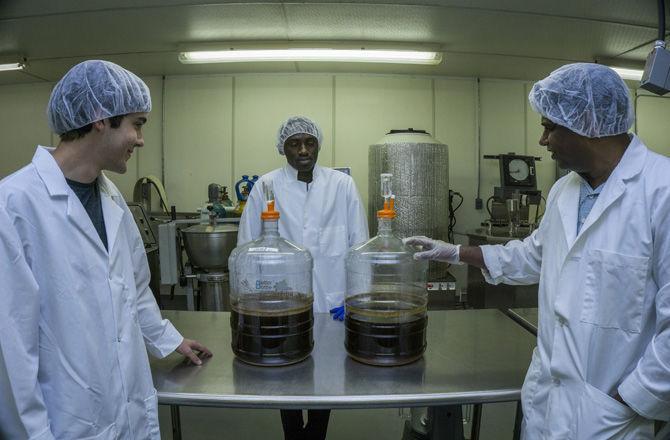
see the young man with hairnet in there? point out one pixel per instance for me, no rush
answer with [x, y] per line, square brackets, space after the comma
[321, 211]
[601, 255]
[77, 314]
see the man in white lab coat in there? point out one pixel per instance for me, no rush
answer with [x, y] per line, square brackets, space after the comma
[601, 369]
[321, 211]
[77, 314]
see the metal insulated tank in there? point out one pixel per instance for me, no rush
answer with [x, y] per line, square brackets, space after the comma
[420, 167]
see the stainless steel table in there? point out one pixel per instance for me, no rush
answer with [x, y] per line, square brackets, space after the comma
[473, 357]
[526, 317]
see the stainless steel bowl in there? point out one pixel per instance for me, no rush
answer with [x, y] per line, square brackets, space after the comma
[209, 247]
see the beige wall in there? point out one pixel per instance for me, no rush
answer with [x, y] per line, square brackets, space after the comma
[23, 124]
[653, 114]
[215, 128]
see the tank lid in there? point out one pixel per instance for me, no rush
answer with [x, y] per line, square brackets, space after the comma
[408, 136]
[407, 130]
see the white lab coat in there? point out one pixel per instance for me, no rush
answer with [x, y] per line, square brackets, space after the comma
[74, 318]
[327, 219]
[604, 305]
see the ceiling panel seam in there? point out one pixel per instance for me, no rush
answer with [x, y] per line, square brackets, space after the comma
[284, 4]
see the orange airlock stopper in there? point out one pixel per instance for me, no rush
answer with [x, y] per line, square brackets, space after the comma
[388, 211]
[270, 214]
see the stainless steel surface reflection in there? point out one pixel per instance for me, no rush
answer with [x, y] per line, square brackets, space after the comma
[209, 247]
[473, 356]
[526, 317]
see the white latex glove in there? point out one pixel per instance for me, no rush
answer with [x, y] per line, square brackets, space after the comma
[437, 250]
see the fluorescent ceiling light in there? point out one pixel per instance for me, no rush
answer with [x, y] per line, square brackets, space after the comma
[632, 74]
[341, 55]
[11, 66]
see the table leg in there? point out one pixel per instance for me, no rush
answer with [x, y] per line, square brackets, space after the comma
[445, 422]
[176, 422]
[476, 421]
[190, 301]
[517, 421]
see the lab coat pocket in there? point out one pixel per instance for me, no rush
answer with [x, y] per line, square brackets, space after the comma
[151, 411]
[333, 241]
[614, 290]
[599, 416]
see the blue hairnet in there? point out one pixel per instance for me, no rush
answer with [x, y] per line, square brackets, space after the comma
[92, 91]
[589, 99]
[297, 125]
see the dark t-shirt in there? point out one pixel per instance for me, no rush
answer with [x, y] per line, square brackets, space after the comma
[89, 195]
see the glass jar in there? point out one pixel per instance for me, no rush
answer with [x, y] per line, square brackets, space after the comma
[271, 297]
[386, 298]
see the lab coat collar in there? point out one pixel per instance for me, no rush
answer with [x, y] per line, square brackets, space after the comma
[111, 208]
[632, 162]
[568, 202]
[57, 186]
[49, 171]
[629, 166]
[292, 174]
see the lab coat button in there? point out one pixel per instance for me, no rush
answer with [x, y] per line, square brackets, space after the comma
[118, 339]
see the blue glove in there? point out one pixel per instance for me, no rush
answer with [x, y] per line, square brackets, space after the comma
[338, 313]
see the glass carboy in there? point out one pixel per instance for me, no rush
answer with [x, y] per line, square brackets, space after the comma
[271, 296]
[386, 298]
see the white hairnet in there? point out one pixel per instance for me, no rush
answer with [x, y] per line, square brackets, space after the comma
[297, 125]
[589, 99]
[92, 91]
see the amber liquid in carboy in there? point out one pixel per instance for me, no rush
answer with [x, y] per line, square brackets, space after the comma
[385, 328]
[272, 329]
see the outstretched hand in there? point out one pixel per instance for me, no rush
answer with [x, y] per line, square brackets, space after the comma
[437, 250]
[188, 348]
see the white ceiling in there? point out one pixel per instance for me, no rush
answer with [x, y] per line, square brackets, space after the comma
[522, 39]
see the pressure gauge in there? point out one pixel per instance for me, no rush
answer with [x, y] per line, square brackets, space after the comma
[518, 170]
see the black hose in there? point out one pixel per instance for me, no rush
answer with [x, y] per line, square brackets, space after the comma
[488, 208]
[661, 20]
[452, 213]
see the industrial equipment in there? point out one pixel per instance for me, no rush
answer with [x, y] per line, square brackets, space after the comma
[242, 190]
[150, 247]
[514, 206]
[142, 194]
[420, 168]
[207, 247]
[217, 198]
[514, 211]
[656, 75]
